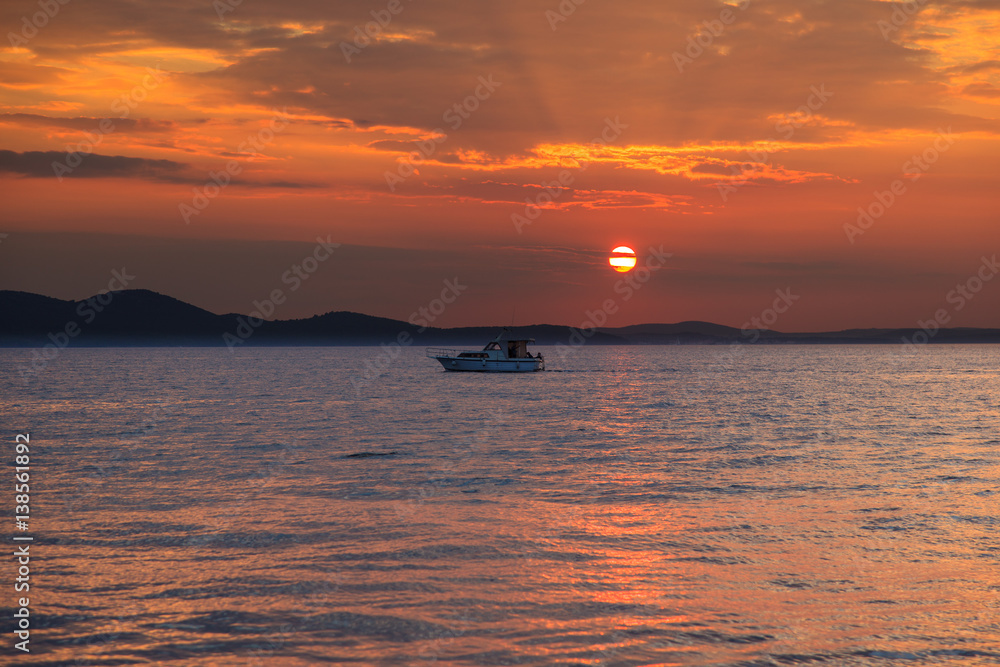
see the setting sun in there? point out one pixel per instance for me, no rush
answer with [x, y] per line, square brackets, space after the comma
[622, 259]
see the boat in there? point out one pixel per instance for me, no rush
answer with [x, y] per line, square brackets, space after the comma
[503, 354]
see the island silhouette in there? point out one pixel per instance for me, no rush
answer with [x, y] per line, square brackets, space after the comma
[141, 317]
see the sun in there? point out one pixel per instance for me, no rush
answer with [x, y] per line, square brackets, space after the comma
[622, 259]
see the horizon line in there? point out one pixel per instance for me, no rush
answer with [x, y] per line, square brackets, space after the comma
[599, 328]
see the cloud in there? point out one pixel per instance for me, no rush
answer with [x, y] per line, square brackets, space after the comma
[984, 66]
[982, 89]
[39, 164]
[719, 168]
[556, 86]
[13, 74]
[86, 123]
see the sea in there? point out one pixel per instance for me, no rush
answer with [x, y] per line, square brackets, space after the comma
[634, 505]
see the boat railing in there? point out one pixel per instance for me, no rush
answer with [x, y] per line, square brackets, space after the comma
[435, 352]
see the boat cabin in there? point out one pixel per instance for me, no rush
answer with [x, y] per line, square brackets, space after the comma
[510, 348]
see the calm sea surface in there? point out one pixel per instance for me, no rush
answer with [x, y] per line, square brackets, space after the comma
[691, 505]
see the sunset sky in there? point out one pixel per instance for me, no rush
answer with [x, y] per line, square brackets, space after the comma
[740, 137]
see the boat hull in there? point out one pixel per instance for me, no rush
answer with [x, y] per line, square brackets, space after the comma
[492, 365]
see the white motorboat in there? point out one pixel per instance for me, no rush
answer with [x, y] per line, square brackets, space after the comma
[503, 354]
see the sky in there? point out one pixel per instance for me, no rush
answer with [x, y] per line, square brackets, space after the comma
[839, 159]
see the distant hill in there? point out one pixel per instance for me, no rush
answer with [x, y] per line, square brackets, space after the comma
[143, 317]
[683, 333]
[126, 317]
[706, 333]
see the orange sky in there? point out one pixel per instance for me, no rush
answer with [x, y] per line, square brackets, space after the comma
[740, 137]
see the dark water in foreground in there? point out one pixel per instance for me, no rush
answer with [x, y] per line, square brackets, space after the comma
[643, 505]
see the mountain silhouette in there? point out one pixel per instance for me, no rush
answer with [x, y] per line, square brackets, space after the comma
[144, 317]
